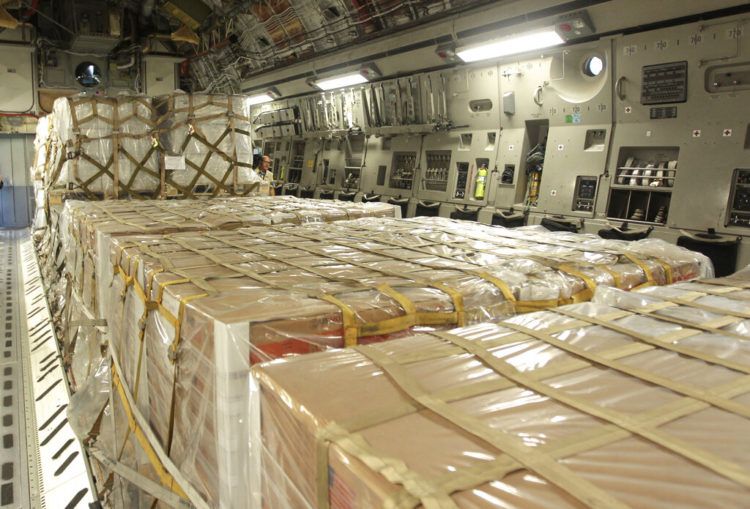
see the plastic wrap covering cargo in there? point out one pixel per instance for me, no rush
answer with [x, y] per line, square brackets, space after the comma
[213, 135]
[635, 400]
[43, 155]
[177, 146]
[48, 157]
[189, 313]
[108, 147]
[86, 230]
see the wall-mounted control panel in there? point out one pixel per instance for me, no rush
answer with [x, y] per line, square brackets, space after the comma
[664, 83]
[402, 170]
[739, 201]
[462, 179]
[436, 173]
[585, 194]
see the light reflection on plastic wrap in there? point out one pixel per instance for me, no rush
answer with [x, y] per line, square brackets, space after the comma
[239, 320]
[633, 470]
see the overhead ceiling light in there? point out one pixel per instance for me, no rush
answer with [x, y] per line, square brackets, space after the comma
[511, 45]
[366, 73]
[259, 99]
[269, 95]
[346, 80]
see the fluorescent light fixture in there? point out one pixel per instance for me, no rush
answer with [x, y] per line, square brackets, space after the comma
[259, 99]
[346, 80]
[511, 45]
[264, 97]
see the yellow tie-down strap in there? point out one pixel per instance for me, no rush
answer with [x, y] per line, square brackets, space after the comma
[140, 292]
[177, 323]
[502, 286]
[458, 303]
[165, 478]
[668, 271]
[646, 270]
[127, 280]
[530, 306]
[353, 330]
[174, 321]
[584, 295]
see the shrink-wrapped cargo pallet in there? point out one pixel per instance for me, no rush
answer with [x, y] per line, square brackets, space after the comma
[632, 400]
[210, 135]
[189, 313]
[89, 226]
[131, 146]
[108, 144]
[87, 229]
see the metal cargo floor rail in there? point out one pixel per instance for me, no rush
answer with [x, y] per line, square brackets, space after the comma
[58, 469]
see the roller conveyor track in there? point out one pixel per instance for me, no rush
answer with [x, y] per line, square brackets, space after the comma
[42, 464]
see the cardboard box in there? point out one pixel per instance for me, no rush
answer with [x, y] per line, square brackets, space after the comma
[348, 429]
[190, 313]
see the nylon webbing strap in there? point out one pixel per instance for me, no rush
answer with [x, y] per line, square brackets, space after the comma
[174, 346]
[586, 294]
[155, 490]
[680, 388]
[727, 281]
[661, 343]
[575, 246]
[349, 320]
[165, 477]
[423, 318]
[644, 267]
[550, 262]
[535, 461]
[728, 469]
[410, 318]
[352, 330]
[457, 301]
[584, 441]
[176, 322]
[567, 446]
[713, 326]
[668, 272]
[393, 469]
[706, 307]
[178, 480]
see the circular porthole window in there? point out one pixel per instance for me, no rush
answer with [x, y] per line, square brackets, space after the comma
[88, 74]
[593, 66]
